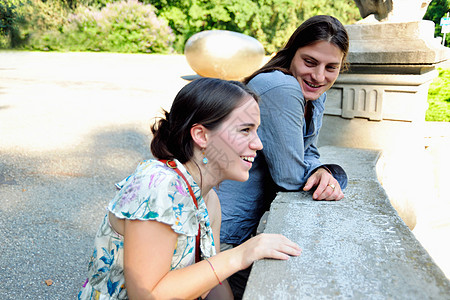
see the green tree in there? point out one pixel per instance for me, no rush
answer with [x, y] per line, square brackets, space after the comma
[26, 19]
[10, 21]
[345, 10]
[436, 10]
[269, 21]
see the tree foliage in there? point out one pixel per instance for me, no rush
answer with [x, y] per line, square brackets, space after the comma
[269, 21]
[436, 10]
[439, 98]
[10, 22]
[126, 26]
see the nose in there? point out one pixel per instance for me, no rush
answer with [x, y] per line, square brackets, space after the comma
[319, 74]
[256, 143]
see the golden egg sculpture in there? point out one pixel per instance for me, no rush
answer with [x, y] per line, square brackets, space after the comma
[223, 54]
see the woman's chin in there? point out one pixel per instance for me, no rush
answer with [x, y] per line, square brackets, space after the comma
[310, 96]
[242, 178]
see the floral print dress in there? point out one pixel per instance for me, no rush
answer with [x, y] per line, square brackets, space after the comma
[152, 192]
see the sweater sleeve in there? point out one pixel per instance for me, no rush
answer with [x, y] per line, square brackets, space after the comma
[282, 131]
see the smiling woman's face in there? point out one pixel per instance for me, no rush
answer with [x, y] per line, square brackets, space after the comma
[232, 147]
[316, 67]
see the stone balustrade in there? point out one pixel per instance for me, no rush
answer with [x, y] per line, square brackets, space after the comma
[356, 248]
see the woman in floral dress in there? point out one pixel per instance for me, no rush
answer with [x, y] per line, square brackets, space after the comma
[146, 247]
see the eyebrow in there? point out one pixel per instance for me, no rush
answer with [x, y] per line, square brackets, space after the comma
[248, 124]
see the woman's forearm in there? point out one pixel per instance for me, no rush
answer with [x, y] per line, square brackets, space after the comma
[194, 281]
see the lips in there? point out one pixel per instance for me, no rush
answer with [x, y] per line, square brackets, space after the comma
[248, 158]
[312, 85]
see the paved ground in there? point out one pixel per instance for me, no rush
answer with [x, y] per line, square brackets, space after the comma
[73, 124]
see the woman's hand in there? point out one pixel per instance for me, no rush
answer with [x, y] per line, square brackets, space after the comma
[265, 245]
[148, 251]
[328, 187]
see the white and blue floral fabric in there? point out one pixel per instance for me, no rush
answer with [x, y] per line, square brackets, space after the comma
[152, 192]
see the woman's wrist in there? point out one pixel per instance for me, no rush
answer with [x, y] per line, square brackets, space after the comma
[323, 167]
[236, 259]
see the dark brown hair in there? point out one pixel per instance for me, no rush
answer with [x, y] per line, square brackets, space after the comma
[204, 101]
[315, 29]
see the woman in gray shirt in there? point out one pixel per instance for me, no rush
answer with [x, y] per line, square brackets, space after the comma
[292, 88]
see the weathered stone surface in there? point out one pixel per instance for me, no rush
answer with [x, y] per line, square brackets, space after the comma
[386, 43]
[356, 248]
[380, 103]
[223, 54]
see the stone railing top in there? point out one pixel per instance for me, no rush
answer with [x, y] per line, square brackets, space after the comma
[356, 248]
[395, 43]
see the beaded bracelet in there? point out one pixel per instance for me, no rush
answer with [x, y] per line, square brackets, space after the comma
[213, 270]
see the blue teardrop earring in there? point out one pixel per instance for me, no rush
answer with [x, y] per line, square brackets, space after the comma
[205, 159]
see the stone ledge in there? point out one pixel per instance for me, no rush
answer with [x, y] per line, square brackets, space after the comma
[356, 248]
[394, 43]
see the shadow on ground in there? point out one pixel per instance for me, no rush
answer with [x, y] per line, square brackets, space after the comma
[52, 204]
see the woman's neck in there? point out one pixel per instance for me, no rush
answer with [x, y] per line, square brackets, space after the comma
[201, 176]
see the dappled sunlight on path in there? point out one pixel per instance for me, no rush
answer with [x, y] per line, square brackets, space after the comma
[71, 125]
[52, 100]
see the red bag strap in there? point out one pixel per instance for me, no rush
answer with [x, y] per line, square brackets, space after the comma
[173, 165]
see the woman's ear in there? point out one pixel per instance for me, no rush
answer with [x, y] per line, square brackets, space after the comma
[199, 135]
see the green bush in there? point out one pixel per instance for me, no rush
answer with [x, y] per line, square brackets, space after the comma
[93, 3]
[439, 98]
[30, 19]
[127, 26]
[42, 18]
[46, 25]
[436, 10]
[269, 21]
[10, 21]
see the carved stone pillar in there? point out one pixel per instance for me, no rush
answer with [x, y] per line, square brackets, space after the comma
[380, 103]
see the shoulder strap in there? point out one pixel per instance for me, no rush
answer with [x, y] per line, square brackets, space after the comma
[173, 165]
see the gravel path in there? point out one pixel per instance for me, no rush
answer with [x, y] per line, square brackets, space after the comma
[71, 125]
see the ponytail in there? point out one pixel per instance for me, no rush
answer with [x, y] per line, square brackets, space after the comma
[161, 132]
